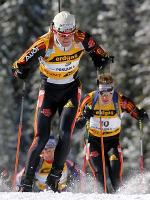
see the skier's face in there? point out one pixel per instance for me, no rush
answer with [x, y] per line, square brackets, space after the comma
[106, 93]
[65, 39]
[48, 154]
[106, 97]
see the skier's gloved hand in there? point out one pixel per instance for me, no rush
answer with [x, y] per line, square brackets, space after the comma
[102, 61]
[87, 113]
[143, 116]
[18, 72]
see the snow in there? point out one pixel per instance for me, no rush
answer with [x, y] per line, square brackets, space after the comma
[135, 188]
[70, 196]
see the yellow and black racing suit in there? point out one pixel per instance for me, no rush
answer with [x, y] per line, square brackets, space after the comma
[109, 129]
[60, 90]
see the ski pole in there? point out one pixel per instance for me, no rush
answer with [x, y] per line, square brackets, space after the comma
[19, 137]
[141, 148]
[94, 175]
[110, 64]
[59, 5]
[86, 150]
[102, 141]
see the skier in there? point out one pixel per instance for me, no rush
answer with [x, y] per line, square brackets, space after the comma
[102, 112]
[58, 52]
[71, 171]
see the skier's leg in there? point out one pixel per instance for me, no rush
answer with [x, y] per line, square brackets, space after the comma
[63, 147]
[42, 131]
[116, 167]
[96, 160]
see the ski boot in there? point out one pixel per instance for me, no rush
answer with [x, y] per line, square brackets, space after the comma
[25, 185]
[53, 179]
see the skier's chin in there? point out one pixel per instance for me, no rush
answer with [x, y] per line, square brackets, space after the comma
[105, 100]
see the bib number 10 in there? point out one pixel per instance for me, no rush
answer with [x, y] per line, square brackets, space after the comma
[105, 123]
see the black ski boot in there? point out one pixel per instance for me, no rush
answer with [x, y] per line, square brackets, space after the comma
[53, 178]
[25, 185]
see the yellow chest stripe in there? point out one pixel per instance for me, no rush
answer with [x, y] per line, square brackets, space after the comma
[58, 57]
[99, 133]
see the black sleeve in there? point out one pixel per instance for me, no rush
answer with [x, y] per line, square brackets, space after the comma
[99, 56]
[89, 43]
[29, 58]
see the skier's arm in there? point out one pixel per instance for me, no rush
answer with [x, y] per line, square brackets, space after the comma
[129, 106]
[84, 112]
[99, 56]
[22, 66]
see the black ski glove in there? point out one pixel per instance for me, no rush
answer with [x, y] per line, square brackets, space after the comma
[101, 62]
[87, 113]
[143, 116]
[19, 72]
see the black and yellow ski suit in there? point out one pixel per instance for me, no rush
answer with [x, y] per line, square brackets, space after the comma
[110, 129]
[60, 90]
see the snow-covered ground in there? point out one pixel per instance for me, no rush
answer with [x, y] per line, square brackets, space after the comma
[135, 188]
[70, 196]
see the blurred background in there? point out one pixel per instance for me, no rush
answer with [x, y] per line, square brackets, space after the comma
[120, 27]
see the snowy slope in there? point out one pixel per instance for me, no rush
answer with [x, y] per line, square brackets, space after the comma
[134, 189]
[69, 196]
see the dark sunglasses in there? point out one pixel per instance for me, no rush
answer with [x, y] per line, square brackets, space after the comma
[109, 90]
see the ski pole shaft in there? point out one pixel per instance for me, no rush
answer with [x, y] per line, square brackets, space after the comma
[19, 137]
[141, 147]
[94, 175]
[59, 5]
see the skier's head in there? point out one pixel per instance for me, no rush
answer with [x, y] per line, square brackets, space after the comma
[64, 22]
[48, 152]
[51, 143]
[106, 87]
[64, 27]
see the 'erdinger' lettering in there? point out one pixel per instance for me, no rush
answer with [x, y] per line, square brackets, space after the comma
[66, 57]
[31, 54]
[106, 112]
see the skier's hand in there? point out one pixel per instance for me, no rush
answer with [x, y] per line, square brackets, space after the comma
[87, 113]
[18, 73]
[101, 62]
[143, 116]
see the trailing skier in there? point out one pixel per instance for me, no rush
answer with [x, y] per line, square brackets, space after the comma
[102, 111]
[71, 172]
